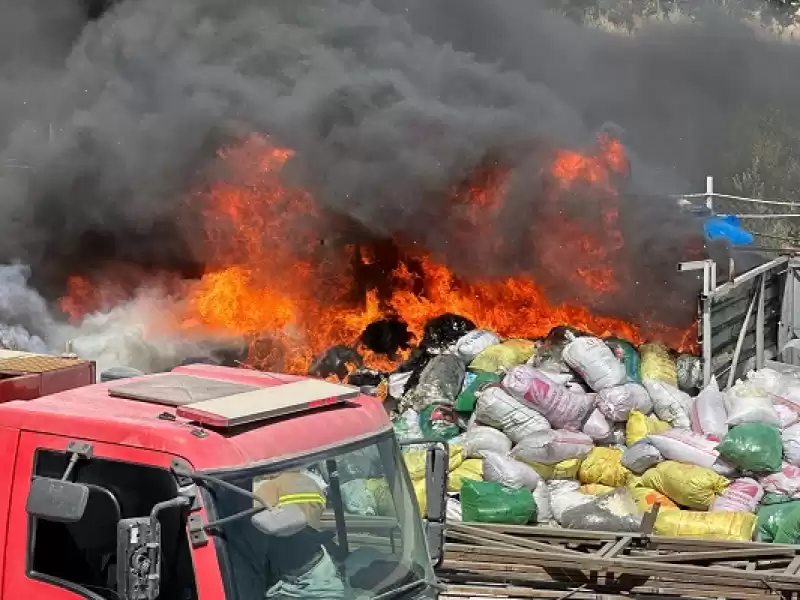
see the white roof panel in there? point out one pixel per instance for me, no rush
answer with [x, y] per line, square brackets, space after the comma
[266, 403]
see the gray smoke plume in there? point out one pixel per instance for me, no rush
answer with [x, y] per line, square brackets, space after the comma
[117, 337]
[387, 105]
[24, 315]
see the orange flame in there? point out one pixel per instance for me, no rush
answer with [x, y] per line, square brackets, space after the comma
[270, 278]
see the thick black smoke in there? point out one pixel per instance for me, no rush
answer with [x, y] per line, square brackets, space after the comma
[387, 104]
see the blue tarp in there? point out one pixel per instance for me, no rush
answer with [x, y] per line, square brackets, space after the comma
[728, 228]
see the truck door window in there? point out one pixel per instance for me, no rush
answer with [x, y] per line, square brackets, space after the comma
[82, 556]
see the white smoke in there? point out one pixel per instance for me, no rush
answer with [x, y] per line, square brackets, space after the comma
[16, 337]
[134, 334]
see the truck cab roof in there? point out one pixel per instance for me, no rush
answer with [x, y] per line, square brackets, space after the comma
[91, 413]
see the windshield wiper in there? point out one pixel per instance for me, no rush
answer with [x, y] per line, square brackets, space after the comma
[408, 588]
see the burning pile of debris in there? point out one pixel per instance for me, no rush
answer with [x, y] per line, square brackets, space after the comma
[295, 276]
[586, 433]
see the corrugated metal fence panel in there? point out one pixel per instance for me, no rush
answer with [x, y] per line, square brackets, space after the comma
[728, 314]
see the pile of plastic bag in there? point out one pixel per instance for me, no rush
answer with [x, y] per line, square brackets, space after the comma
[588, 433]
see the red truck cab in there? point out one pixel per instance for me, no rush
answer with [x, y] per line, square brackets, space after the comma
[144, 488]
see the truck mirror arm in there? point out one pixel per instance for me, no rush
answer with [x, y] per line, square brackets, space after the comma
[197, 477]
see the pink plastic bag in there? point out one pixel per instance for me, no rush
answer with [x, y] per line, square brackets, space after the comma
[786, 481]
[742, 495]
[564, 409]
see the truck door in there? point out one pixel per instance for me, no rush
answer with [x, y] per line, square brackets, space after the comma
[78, 560]
[8, 448]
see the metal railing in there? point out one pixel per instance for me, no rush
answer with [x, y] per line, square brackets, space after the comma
[709, 195]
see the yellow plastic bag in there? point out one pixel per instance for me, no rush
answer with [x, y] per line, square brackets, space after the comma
[472, 468]
[566, 469]
[658, 363]
[715, 525]
[634, 481]
[501, 357]
[416, 459]
[379, 489]
[646, 497]
[603, 465]
[687, 485]
[640, 426]
[595, 489]
[421, 494]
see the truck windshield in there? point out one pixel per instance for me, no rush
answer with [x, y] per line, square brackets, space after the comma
[363, 536]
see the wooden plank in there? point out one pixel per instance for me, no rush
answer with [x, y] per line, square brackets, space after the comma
[619, 564]
[539, 576]
[793, 566]
[478, 540]
[507, 540]
[555, 534]
[719, 555]
[531, 587]
[649, 519]
[616, 548]
[511, 591]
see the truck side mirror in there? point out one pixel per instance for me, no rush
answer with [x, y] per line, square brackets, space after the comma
[138, 559]
[436, 470]
[57, 500]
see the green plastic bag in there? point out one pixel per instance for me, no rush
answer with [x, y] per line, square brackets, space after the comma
[490, 502]
[474, 383]
[627, 354]
[779, 523]
[789, 527]
[755, 447]
[771, 498]
[439, 422]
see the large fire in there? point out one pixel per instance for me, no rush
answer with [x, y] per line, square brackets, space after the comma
[271, 278]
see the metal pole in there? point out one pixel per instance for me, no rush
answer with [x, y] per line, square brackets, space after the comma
[713, 268]
[705, 303]
[792, 278]
[760, 323]
[740, 341]
[710, 194]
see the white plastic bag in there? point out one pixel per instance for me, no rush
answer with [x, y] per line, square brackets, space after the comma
[641, 456]
[708, 412]
[453, 510]
[406, 426]
[564, 495]
[685, 446]
[552, 446]
[564, 409]
[786, 481]
[509, 472]
[597, 426]
[669, 403]
[616, 403]
[357, 498]
[498, 408]
[479, 439]
[542, 497]
[397, 383]
[784, 391]
[742, 495]
[791, 445]
[594, 361]
[747, 403]
[473, 343]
